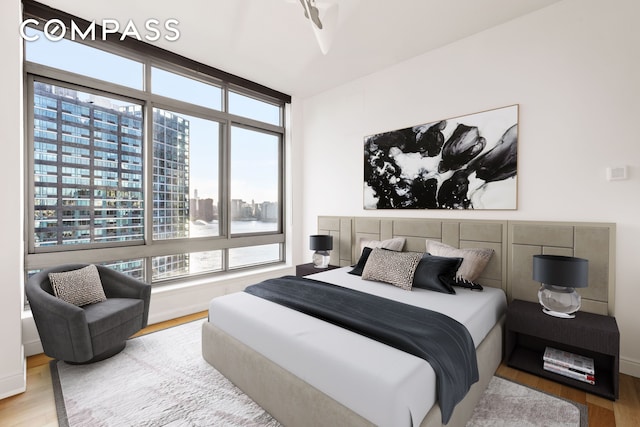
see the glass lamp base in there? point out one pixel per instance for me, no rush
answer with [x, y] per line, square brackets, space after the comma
[557, 314]
[559, 301]
[320, 259]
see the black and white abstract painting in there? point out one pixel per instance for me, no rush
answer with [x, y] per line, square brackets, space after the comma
[467, 162]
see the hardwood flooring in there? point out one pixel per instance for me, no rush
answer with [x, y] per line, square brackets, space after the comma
[624, 412]
[36, 406]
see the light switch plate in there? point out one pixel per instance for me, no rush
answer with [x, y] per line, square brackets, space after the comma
[616, 173]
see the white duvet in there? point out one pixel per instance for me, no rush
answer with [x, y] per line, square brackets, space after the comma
[384, 385]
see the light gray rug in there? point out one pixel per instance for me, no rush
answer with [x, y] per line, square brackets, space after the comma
[161, 379]
[507, 404]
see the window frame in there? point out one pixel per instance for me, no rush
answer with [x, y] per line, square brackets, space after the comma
[151, 56]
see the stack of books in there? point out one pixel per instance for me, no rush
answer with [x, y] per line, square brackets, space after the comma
[570, 365]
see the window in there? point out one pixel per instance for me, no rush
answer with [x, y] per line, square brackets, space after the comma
[92, 62]
[163, 179]
[253, 255]
[93, 198]
[187, 264]
[186, 176]
[185, 89]
[247, 106]
[255, 167]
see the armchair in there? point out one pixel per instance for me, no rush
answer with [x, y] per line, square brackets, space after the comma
[91, 332]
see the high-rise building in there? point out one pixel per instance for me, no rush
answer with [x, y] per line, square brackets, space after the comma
[202, 210]
[88, 169]
[88, 172]
[170, 175]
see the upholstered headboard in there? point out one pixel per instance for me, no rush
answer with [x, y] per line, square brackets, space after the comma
[514, 244]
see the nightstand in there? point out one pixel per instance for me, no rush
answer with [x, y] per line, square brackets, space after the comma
[529, 331]
[306, 269]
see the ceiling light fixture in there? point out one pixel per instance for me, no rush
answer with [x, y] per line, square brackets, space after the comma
[311, 12]
[323, 17]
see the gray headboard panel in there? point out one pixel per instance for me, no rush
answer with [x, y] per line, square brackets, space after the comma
[514, 243]
[592, 241]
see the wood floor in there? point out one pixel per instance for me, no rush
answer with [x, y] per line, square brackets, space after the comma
[624, 412]
[36, 406]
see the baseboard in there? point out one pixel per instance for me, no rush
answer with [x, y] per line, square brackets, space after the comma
[16, 383]
[30, 337]
[630, 367]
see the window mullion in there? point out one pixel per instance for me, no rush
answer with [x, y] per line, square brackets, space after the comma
[30, 169]
[225, 207]
[148, 184]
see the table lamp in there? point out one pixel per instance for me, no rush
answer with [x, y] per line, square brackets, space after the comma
[321, 244]
[559, 276]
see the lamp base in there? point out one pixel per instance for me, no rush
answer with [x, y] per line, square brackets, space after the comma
[558, 314]
[559, 301]
[320, 259]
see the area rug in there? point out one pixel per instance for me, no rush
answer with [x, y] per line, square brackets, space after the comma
[161, 379]
[508, 404]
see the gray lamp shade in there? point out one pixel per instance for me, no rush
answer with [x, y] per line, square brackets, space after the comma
[321, 242]
[559, 270]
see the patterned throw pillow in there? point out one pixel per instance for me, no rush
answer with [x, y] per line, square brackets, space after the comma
[79, 287]
[474, 260]
[396, 268]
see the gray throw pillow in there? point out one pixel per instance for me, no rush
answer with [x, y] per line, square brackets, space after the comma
[78, 287]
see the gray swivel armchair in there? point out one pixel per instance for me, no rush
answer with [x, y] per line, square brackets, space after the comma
[92, 332]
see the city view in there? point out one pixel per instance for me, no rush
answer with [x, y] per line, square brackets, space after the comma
[88, 179]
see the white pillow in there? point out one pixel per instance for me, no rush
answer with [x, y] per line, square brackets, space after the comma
[395, 244]
[474, 260]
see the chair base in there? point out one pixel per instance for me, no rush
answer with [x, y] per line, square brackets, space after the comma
[102, 356]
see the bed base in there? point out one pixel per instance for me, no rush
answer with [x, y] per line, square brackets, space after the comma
[293, 402]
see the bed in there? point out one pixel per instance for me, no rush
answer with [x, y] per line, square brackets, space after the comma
[305, 371]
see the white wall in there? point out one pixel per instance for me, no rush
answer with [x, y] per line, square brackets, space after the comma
[572, 67]
[12, 366]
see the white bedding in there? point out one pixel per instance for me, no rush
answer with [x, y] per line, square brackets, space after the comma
[384, 385]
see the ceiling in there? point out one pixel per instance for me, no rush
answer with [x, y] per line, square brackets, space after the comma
[272, 43]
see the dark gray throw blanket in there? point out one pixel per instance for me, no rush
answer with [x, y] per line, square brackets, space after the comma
[443, 342]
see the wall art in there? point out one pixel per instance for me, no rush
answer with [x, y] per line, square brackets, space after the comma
[466, 162]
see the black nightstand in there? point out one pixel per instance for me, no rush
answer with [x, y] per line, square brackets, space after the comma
[529, 331]
[306, 269]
